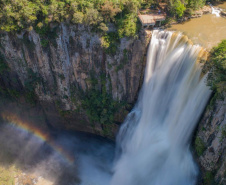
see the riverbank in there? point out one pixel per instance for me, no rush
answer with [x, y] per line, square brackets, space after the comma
[207, 9]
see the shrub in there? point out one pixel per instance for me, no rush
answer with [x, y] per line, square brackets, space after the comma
[208, 178]
[179, 8]
[99, 105]
[109, 10]
[78, 18]
[103, 27]
[199, 146]
[110, 42]
[44, 43]
[30, 84]
[188, 12]
[127, 26]
[216, 65]
[196, 4]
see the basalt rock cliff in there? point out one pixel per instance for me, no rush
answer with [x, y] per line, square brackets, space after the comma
[65, 64]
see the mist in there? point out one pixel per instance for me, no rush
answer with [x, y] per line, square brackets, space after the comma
[67, 158]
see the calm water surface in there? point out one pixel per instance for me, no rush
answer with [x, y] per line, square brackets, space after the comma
[207, 30]
[223, 5]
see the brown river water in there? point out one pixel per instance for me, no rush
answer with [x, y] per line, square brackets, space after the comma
[206, 31]
[223, 5]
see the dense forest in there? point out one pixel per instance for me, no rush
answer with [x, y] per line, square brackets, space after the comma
[16, 15]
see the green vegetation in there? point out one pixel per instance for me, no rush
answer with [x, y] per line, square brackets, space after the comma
[209, 178]
[216, 65]
[178, 8]
[99, 105]
[7, 92]
[30, 84]
[44, 43]
[16, 15]
[63, 113]
[223, 133]
[3, 65]
[7, 175]
[199, 146]
[123, 62]
[110, 42]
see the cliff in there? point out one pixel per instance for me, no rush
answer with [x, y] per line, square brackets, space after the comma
[210, 144]
[59, 66]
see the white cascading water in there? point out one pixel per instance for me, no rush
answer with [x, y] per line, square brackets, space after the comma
[154, 141]
[215, 11]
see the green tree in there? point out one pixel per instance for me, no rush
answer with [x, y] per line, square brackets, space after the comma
[178, 8]
[127, 26]
[78, 17]
[16, 15]
[92, 17]
[109, 10]
[196, 4]
[103, 27]
[216, 65]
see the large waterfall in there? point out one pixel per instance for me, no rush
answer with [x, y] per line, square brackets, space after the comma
[153, 145]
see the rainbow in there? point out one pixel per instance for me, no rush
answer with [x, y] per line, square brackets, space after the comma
[38, 133]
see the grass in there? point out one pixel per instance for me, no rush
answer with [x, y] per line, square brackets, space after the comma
[7, 175]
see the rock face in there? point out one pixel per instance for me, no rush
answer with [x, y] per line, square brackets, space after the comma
[210, 143]
[200, 12]
[71, 58]
[223, 13]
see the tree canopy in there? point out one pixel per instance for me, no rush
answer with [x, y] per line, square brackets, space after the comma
[16, 15]
[217, 67]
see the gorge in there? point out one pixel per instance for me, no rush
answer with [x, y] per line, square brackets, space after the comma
[155, 144]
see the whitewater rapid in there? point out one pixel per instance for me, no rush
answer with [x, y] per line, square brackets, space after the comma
[215, 11]
[153, 144]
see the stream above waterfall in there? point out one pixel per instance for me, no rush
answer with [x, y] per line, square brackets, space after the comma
[206, 31]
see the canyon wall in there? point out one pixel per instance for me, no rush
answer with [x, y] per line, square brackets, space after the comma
[210, 144]
[65, 64]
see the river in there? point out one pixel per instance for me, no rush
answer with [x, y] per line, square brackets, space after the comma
[206, 31]
[223, 5]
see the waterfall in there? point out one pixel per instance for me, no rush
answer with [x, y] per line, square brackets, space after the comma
[153, 144]
[215, 11]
